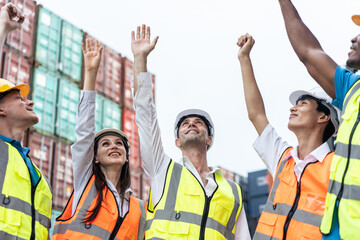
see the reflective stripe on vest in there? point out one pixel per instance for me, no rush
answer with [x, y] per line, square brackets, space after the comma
[300, 208]
[174, 219]
[68, 226]
[344, 185]
[18, 218]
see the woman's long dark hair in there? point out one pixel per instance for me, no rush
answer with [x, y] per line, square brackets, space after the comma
[100, 183]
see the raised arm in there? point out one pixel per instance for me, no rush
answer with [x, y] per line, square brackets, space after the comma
[92, 56]
[11, 18]
[141, 47]
[253, 99]
[83, 149]
[320, 66]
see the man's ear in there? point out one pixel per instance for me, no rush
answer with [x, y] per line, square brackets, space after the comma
[177, 143]
[2, 111]
[324, 118]
[209, 141]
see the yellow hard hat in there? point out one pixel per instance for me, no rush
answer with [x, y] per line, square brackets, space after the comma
[356, 19]
[6, 85]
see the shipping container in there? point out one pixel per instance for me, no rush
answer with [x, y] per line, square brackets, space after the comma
[127, 75]
[44, 95]
[131, 130]
[108, 80]
[15, 67]
[107, 114]
[256, 205]
[62, 179]
[258, 183]
[71, 60]
[111, 116]
[42, 151]
[22, 39]
[67, 102]
[47, 46]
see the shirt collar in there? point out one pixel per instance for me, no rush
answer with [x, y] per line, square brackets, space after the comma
[319, 153]
[16, 144]
[188, 164]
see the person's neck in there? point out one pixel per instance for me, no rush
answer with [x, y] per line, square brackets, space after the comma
[198, 158]
[113, 174]
[15, 133]
[308, 142]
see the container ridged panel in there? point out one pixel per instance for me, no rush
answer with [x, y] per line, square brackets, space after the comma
[68, 99]
[70, 52]
[111, 114]
[48, 39]
[44, 91]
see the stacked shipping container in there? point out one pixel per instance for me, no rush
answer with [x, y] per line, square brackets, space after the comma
[46, 54]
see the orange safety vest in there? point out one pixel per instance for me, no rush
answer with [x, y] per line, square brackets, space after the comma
[294, 209]
[107, 224]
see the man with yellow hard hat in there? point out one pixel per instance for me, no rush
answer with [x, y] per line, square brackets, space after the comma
[341, 218]
[25, 195]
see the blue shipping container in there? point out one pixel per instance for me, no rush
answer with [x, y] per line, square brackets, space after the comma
[256, 205]
[258, 183]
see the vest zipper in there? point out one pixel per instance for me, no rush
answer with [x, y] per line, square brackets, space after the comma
[295, 205]
[204, 217]
[339, 196]
[33, 188]
[116, 228]
[206, 207]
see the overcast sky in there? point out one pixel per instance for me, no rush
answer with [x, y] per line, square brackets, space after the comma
[195, 60]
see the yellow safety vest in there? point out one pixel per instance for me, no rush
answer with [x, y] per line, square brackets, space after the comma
[25, 210]
[344, 184]
[185, 212]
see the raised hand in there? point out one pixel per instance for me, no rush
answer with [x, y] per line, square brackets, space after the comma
[11, 18]
[141, 45]
[92, 55]
[245, 42]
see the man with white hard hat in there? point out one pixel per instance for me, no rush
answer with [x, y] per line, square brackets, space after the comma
[25, 195]
[342, 211]
[188, 199]
[296, 202]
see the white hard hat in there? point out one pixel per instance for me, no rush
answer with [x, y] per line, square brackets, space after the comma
[320, 94]
[194, 113]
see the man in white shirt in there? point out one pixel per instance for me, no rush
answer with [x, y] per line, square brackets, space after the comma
[297, 200]
[189, 198]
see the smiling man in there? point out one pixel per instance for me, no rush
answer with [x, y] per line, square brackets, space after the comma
[188, 199]
[342, 213]
[25, 200]
[296, 203]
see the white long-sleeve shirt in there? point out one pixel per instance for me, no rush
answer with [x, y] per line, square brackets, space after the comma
[155, 161]
[82, 152]
[270, 147]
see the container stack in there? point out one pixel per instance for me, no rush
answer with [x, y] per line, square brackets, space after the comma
[56, 76]
[46, 54]
[258, 191]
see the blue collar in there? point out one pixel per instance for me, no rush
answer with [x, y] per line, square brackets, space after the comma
[16, 144]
